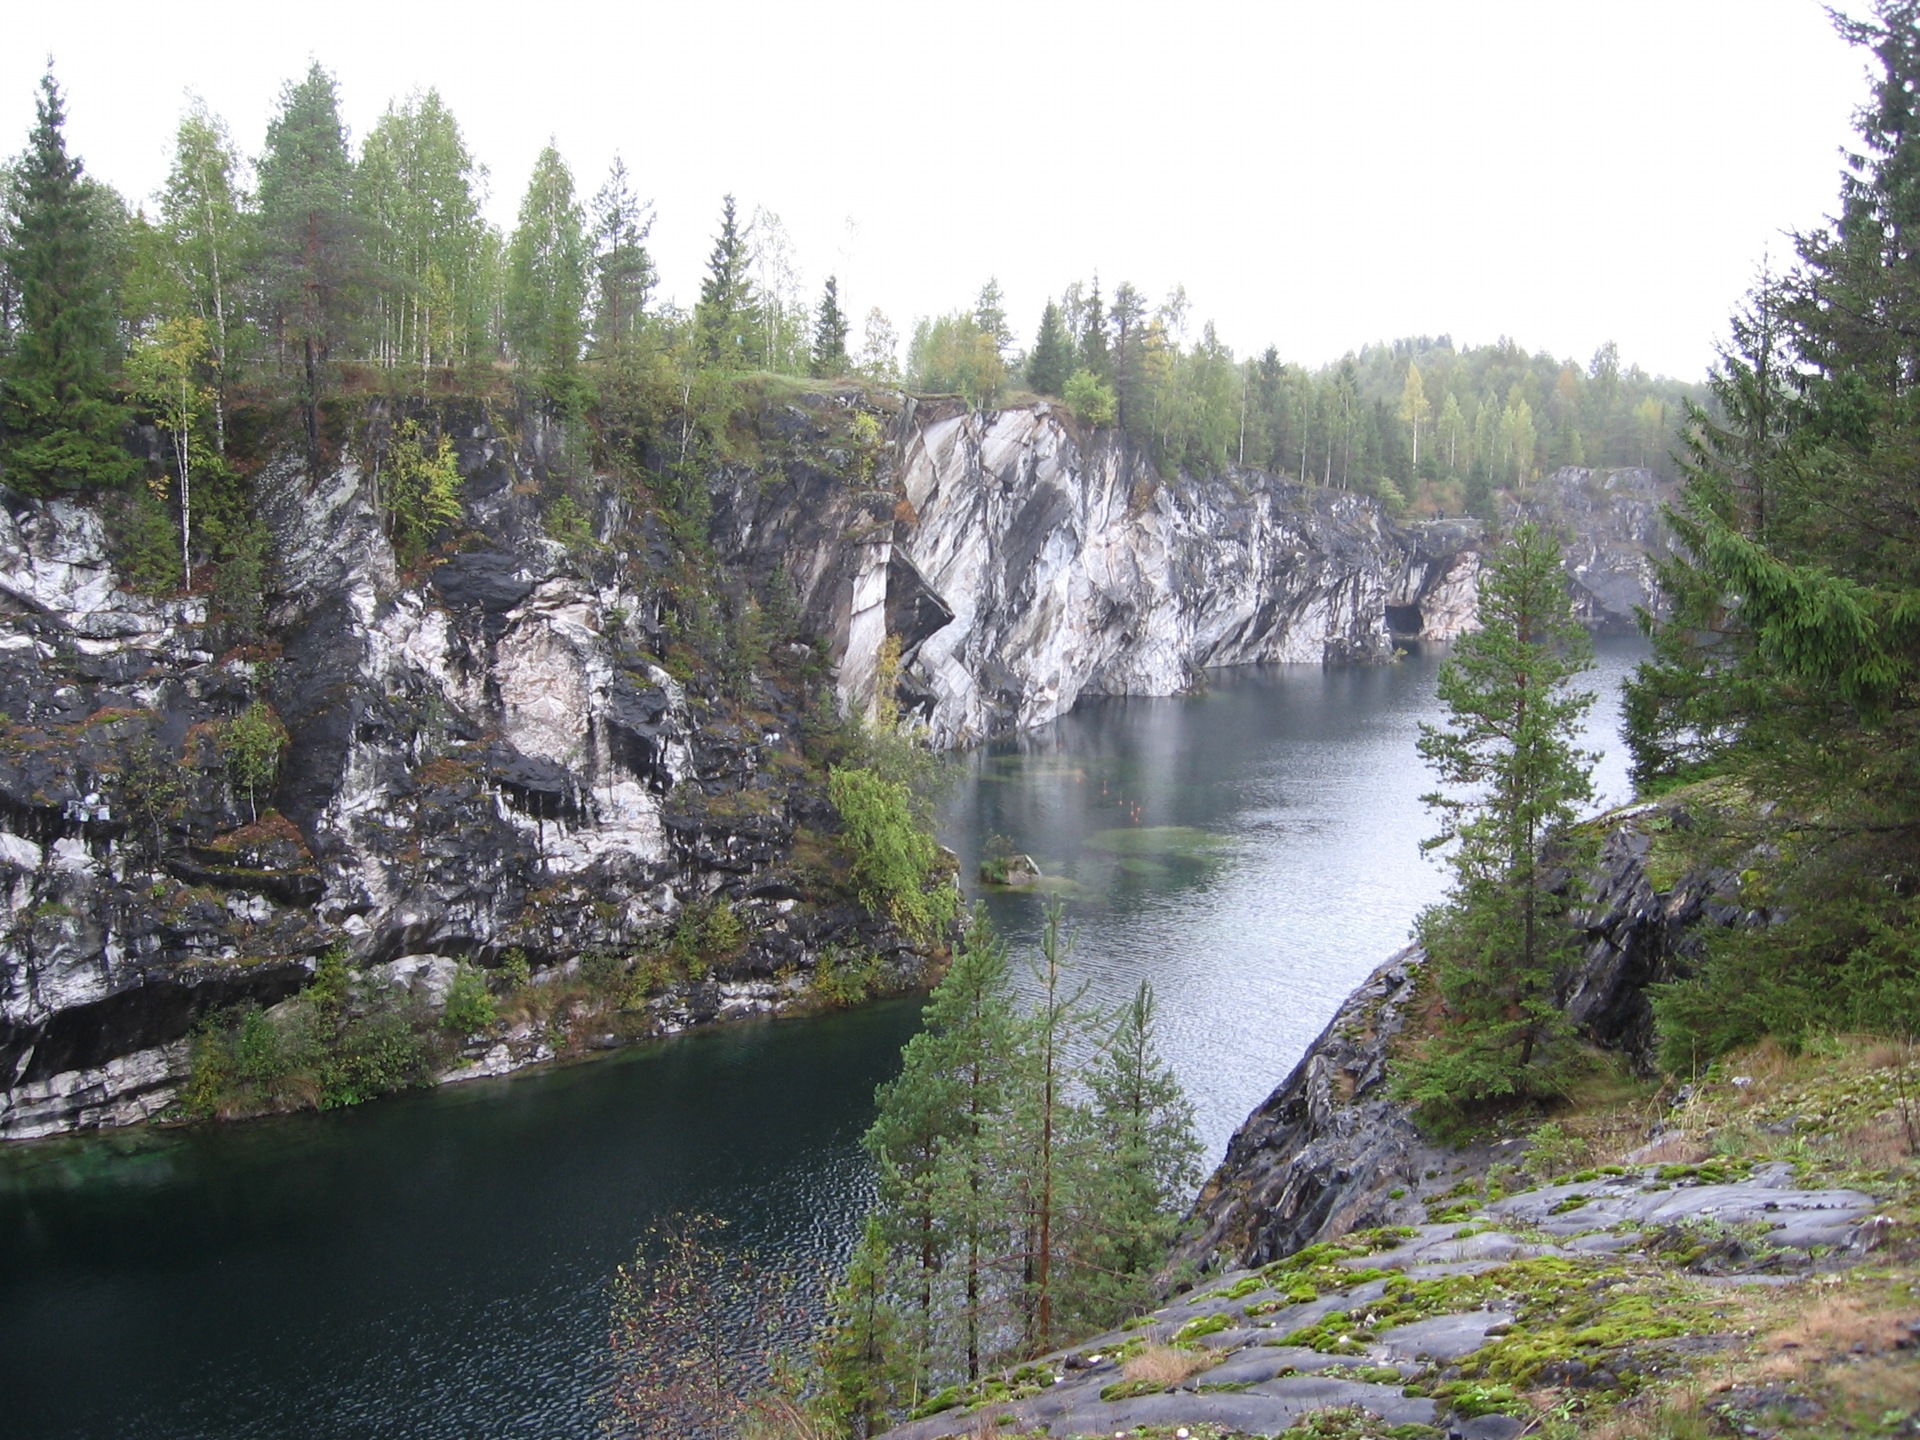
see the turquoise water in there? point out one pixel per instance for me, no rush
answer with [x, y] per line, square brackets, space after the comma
[436, 1265]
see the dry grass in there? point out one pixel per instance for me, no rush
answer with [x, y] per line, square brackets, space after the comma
[1167, 1364]
[1677, 1414]
[1827, 1329]
[1667, 1150]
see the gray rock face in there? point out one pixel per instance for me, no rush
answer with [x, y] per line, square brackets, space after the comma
[1319, 1155]
[1021, 565]
[489, 753]
[1615, 538]
[483, 757]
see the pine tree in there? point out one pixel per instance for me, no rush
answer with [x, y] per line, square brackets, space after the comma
[59, 423]
[932, 1140]
[1048, 1138]
[1515, 774]
[862, 1354]
[989, 313]
[1147, 1165]
[547, 280]
[1051, 363]
[313, 264]
[830, 334]
[622, 269]
[723, 320]
[975, 1015]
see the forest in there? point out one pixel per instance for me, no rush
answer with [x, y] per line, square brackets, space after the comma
[322, 270]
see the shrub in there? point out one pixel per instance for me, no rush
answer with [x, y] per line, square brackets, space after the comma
[423, 490]
[251, 743]
[895, 861]
[469, 1003]
[1092, 400]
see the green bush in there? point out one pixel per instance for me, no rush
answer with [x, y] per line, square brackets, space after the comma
[423, 490]
[840, 980]
[896, 865]
[312, 1052]
[251, 743]
[1091, 399]
[470, 1007]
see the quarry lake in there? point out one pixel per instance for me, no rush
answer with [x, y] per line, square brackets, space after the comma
[437, 1265]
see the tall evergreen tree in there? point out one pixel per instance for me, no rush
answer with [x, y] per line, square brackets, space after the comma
[1095, 358]
[1128, 319]
[547, 280]
[313, 265]
[932, 1140]
[830, 334]
[623, 271]
[1051, 362]
[1515, 778]
[862, 1353]
[59, 422]
[1147, 1165]
[990, 314]
[723, 320]
[1792, 661]
[1047, 1143]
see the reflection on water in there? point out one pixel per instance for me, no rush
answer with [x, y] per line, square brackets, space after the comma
[1253, 851]
[436, 1265]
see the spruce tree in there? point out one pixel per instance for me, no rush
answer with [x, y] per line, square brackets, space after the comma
[830, 334]
[59, 422]
[1094, 357]
[1792, 660]
[1146, 1165]
[723, 320]
[1516, 776]
[1051, 363]
[313, 264]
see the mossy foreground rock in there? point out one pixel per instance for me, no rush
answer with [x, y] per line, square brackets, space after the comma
[1440, 1328]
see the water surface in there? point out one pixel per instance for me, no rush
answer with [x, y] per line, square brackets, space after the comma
[436, 1265]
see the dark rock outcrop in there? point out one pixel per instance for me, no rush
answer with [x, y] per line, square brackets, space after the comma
[1323, 1154]
[1320, 1155]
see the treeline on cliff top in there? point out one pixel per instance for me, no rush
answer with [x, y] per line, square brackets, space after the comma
[319, 268]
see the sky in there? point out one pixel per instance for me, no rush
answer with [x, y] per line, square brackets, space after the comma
[1318, 176]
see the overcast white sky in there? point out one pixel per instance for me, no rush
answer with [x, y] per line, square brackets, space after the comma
[1318, 175]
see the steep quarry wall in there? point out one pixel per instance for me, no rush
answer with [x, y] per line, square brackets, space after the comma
[505, 747]
[1022, 563]
[487, 754]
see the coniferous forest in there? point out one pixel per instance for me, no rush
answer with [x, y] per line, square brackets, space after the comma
[323, 270]
[1026, 1205]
